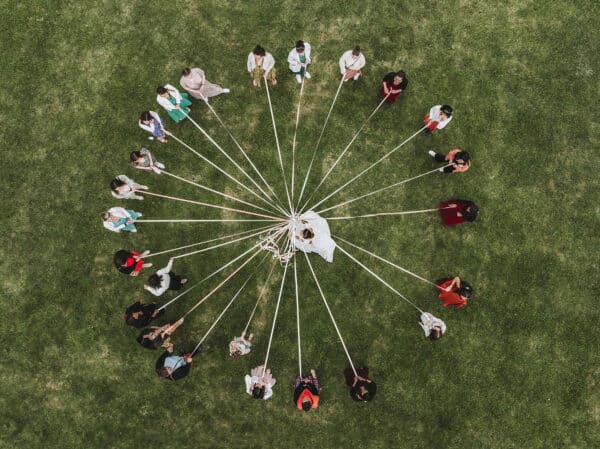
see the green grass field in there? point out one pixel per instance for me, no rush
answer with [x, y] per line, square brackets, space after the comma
[518, 368]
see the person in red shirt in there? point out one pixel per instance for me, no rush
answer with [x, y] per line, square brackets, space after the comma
[454, 212]
[307, 391]
[454, 292]
[458, 160]
[130, 262]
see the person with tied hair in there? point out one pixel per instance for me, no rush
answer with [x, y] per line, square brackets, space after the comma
[150, 121]
[241, 345]
[307, 391]
[119, 219]
[130, 262]
[299, 59]
[124, 188]
[195, 83]
[454, 212]
[351, 64]
[174, 367]
[453, 292]
[260, 383]
[155, 337]
[163, 280]
[139, 314]
[433, 327]
[144, 160]
[361, 388]
[394, 83]
[261, 64]
[439, 116]
[456, 160]
[175, 103]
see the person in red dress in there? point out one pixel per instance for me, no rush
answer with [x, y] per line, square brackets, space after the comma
[394, 83]
[130, 262]
[454, 212]
[454, 292]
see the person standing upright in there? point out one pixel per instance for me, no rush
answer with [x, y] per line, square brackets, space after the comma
[299, 59]
[351, 64]
[261, 64]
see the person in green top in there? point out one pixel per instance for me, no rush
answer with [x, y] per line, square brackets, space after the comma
[176, 104]
[298, 60]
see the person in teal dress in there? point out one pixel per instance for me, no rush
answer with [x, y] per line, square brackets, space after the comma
[175, 103]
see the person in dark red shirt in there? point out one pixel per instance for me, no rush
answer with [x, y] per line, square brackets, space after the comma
[454, 292]
[139, 314]
[454, 212]
[394, 83]
[130, 262]
[361, 387]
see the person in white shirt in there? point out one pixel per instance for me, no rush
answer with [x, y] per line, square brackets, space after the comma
[175, 103]
[119, 219]
[351, 64]
[312, 235]
[194, 81]
[298, 60]
[150, 121]
[144, 160]
[123, 187]
[433, 327]
[260, 383]
[163, 280]
[439, 116]
[261, 64]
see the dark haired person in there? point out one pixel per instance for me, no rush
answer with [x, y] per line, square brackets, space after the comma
[154, 337]
[139, 314]
[174, 367]
[144, 160]
[439, 116]
[124, 188]
[163, 280]
[175, 103]
[361, 388]
[195, 83]
[454, 212]
[150, 121]
[351, 63]
[260, 383]
[261, 64]
[307, 391]
[454, 292]
[299, 59]
[241, 345]
[130, 262]
[433, 327]
[119, 219]
[456, 160]
[394, 83]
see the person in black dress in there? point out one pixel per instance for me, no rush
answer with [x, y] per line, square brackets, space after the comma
[139, 314]
[361, 388]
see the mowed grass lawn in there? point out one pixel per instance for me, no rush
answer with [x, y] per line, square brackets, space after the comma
[519, 366]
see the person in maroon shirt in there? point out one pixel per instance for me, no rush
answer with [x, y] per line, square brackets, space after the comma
[393, 85]
[454, 212]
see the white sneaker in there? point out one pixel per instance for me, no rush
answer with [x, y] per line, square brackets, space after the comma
[298, 79]
[441, 170]
[226, 91]
[150, 137]
[307, 75]
[431, 153]
[356, 77]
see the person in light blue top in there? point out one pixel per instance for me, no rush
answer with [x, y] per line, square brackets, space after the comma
[174, 367]
[119, 219]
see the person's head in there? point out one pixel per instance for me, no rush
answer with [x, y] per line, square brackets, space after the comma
[367, 397]
[259, 51]
[399, 77]
[135, 155]
[465, 290]
[446, 111]
[470, 212]
[186, 71]
[154, 280]
[146, 117]
[120, 257]
[300, 46]
[356, 51]
[258, 392]
[115, 184]
[436, 333]
[162, 91]
[306, 404]
[307, 233]
[105, 216]
[462, 158]
[165, 372]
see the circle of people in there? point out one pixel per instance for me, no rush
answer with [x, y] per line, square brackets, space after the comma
[261, 66]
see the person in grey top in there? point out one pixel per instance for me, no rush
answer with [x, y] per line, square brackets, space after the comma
[144, 160]
[123, 187]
